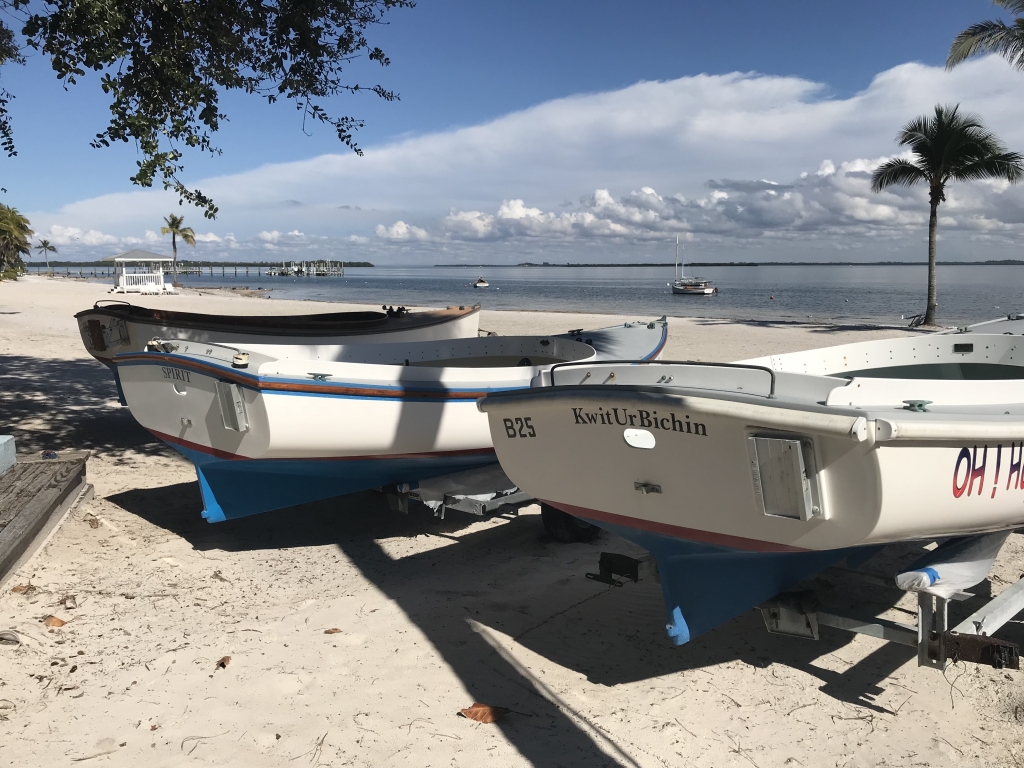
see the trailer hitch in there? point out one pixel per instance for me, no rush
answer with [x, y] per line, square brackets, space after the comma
[977, 649]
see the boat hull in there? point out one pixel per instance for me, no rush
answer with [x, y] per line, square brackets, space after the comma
[692, 291]
[674, 472]
[302, 443]
[705, 585]
[111, 330]
[868, 490]
[238, 487]
[305, 430]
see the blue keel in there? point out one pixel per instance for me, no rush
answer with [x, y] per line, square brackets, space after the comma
[242, 487]
[705, 585]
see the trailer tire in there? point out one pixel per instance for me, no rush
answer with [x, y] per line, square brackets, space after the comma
[565, 528]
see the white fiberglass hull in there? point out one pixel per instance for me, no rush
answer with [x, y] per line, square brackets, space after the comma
[110, 330]
[324, 428]
[870, 490]
[684, 291]
[743, 480]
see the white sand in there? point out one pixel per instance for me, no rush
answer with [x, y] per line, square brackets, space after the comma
[433, 616]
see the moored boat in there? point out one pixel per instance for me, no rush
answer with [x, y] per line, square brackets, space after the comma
[743, 479]
[481, 283]
[110, 328]
[689, 286]
[268, 432]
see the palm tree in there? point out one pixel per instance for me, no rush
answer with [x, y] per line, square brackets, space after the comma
[46, 249]
[992, 37]
[175, 230]
[15, 232]
[951, 146]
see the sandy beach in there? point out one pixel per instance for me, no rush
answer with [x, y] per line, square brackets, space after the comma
[342, 633]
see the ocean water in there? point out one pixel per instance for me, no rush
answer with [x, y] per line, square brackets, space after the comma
[873, 294]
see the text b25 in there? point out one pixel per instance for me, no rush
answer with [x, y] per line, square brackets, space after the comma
[519, 427]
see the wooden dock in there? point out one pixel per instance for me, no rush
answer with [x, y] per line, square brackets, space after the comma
[34, 495]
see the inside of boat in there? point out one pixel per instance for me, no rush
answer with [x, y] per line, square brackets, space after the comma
[951, 371]
[959, 357]
[481, 352]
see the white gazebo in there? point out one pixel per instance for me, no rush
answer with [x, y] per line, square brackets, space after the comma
[140, 271]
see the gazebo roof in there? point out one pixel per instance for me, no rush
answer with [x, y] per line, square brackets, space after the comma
[137, 254]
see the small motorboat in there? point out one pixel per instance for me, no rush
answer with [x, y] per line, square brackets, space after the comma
[481, 283]
[743, 479]
[689, 286]
[268, 431]
[110, 328]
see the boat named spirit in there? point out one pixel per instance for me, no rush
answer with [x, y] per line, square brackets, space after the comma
[267, 432]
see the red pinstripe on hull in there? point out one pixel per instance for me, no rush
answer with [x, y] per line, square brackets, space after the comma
[228, 456]
[676, 531]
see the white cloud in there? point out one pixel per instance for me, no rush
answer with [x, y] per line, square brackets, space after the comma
[60, 235]
[401, 232]
[208, 237]
[508, 180]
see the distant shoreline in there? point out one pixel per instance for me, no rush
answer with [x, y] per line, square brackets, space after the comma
[987, 263]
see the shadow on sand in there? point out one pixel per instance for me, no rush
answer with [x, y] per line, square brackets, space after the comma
[55, 404]
[813, 326]
[517, 583]
[502, 581]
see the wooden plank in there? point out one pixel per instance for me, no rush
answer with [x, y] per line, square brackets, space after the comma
[29, 494]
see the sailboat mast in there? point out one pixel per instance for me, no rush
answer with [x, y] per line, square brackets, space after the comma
[677, 257]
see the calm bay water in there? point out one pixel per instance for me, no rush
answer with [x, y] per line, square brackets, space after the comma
[876, 294]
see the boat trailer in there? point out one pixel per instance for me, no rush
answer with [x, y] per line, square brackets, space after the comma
[799, 614]
[483, 491]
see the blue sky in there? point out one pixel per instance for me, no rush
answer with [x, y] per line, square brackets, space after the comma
[466, 70]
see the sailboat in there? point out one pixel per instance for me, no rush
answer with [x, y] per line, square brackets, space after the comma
[690, 286]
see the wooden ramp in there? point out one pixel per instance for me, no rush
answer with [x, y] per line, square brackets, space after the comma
[33, 493]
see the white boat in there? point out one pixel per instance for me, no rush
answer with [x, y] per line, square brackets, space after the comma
[689, 286]
[112, 327]
[481, 283]
[742, 479]
[267, 432]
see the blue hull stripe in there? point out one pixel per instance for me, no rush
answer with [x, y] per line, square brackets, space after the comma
[705, 585]
[240, 487]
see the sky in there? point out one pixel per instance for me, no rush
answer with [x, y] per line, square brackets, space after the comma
[563, 131]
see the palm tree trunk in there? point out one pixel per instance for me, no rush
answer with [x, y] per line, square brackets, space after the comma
[174, 263]
[933, 224]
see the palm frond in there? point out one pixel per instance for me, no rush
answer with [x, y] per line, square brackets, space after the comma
[1005, 165]
[990, 37]
[1016, 7]
[898, 172]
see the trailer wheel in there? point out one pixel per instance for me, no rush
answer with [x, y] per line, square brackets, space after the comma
[566, 528]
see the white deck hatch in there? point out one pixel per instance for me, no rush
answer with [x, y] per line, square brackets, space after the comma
[782, 471]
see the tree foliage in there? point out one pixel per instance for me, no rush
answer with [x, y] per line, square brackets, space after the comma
[44, 248]
[992, 37]
[15, 234]
[949, 146]
[174, 226]
[164, 65]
